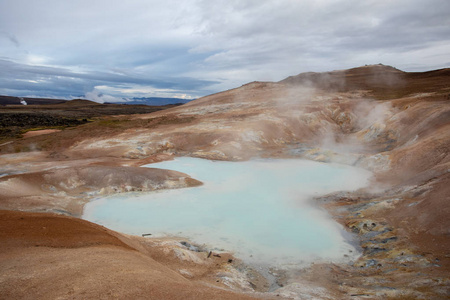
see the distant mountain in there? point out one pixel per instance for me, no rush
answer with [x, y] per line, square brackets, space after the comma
[152, 101]
[156, 101]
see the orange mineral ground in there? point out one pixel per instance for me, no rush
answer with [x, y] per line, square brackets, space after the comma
[44, 256]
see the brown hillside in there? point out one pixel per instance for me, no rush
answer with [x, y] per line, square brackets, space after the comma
[43, 256]
[383, 82]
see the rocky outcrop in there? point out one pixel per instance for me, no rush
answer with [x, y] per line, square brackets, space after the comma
[66, 190]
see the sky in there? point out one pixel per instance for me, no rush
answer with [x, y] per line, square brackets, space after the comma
[105, 50]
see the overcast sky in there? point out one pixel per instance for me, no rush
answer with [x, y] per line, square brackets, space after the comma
[101, 49]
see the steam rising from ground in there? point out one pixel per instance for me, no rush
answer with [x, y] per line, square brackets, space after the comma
[345, 123]
[310, 116]
[99, 97]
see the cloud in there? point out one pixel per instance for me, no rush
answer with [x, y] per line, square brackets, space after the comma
[197, 47]
[10, 37]
[99, 97]
[22, 79]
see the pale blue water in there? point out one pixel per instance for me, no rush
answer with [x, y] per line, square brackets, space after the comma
[261, 210]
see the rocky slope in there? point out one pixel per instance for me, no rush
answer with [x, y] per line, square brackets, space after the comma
[394, 123]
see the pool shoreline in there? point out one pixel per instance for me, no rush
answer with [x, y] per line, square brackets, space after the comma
[349, 239]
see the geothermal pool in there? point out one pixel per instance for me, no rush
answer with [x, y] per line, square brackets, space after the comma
[261, 210]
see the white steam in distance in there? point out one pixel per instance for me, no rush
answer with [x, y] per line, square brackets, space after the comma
[99, 97]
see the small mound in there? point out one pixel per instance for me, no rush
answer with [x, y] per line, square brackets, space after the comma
[372, 69]
[23, 229]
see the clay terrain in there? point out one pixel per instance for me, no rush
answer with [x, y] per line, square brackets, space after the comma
[395, 124]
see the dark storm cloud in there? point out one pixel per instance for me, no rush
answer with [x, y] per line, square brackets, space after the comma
[195, 47]
[19, 77]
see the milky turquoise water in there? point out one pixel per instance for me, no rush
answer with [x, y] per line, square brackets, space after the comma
[261, 210]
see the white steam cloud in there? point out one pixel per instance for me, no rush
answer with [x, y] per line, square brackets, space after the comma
[99, 97]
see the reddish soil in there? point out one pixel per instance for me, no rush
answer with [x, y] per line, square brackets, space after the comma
[43, 256]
